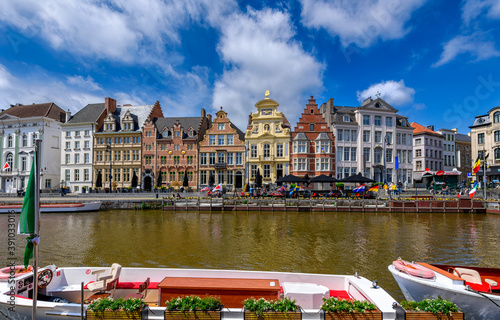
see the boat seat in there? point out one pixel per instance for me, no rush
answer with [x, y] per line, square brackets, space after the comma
[107, 282]
[468, 275]
[142, 292]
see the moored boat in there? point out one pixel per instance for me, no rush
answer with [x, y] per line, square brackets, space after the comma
[56, 207]
[475, 290]
[60, 290]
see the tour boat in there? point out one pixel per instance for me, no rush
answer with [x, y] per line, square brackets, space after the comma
[55, 207]
[61, 289]
[475, 290]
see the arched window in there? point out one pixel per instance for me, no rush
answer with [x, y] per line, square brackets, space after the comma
[497, 154]
[496, 117]
[10, 160]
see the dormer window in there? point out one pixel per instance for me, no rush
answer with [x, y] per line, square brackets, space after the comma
[403, 122]
[191, 133]
[109, 123]
[128, 122]
[347, 118]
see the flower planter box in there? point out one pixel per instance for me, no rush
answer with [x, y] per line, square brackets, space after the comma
[273, 316]
[118, 314]
[192, 315]
[416, 315]
[367, 315]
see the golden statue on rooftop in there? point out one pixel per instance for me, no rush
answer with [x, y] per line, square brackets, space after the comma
[267, 94]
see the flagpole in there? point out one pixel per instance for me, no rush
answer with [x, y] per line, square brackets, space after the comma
[37, 226]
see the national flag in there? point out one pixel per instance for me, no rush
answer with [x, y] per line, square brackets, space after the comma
[293, 190]
[476, 166]
[473, 191]
[360, 188]
[397, 162]
[281, 189]
[205, 189]
[6, 166]
[217, 188]
[27, 218]
[374, 188]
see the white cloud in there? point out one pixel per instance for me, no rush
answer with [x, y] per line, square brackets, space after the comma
[472, 44]
[84, 83]
[360, 22]
[260, 54]
[5, 77]
[472, 9]
[120, 30]
[396, 93]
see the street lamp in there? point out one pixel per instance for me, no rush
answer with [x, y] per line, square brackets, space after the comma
[386, 143]
[108, 149]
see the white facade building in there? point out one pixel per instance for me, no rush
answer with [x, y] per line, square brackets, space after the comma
[428, 150]
[77, 146]
[20, 127]
[369, 138]
[449, 149]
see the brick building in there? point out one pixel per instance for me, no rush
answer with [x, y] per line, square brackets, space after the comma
[312, 149]
[222, 154]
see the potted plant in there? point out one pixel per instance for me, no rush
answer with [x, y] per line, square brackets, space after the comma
[339, 185]
[431, 309]
[340, 309]
[107, 308]
[262, 309]
[193, 308]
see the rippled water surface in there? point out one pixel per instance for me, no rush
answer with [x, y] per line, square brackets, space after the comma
[337, 243]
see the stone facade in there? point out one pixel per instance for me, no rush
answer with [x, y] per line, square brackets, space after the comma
[428, 150]
[368, 139]
[463, 154]
[312, 149]
[222, 154]
[267, 139]
[485, 141]
[118, 146]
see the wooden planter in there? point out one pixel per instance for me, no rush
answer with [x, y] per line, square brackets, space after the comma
[274, 316]
[416, 315]
[367, 315]
[118, 314]
[192, 315]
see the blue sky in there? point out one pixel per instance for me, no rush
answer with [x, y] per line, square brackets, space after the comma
[435, 61]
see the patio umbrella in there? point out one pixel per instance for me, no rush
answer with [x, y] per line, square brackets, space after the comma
[134, 180]
[291, 178]
[324, 178]
[185, 182]
[98, 180]
[158, 180]
[211, 179]
[258, 179]
[357, 178]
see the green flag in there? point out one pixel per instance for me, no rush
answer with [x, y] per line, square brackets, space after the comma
[27, 218]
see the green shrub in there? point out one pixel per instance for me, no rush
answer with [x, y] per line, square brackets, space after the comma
[431, 305]
[103, 304]
[333, 305]
[194, 303]
[259, 306]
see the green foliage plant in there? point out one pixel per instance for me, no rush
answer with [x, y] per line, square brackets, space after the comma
[194, 303]
[431, 305]
[259, 306]
[335, 305]
[103, 304]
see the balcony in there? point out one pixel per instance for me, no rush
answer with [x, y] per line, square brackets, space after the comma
[266, 158]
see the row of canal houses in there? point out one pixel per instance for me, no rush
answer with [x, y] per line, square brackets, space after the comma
[123, 146]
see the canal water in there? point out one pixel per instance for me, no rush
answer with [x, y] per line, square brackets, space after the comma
[334, 243]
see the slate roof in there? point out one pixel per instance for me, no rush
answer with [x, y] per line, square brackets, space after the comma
[48, 110]
[462, 137]
[138, 113]
[90, 113]
[185, 122]
[323, 136]
[240, 133]
[301, 136]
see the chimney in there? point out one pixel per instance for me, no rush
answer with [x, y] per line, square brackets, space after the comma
[110, 104]
[68, 115]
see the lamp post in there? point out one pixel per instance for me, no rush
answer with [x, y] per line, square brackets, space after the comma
[108, 149]
[386, 143]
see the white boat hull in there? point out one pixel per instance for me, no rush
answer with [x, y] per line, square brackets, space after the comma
[473, 305]
[67, 284]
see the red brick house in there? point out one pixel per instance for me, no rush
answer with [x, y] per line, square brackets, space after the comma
[312, 147]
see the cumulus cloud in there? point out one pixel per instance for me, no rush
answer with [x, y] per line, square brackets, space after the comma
[120, 30]
[472, 9]
[471, 44]
[396, 93]
[360, 22]
[260, 54]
